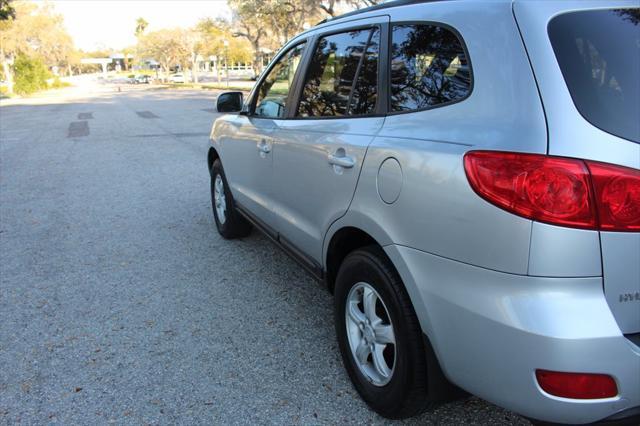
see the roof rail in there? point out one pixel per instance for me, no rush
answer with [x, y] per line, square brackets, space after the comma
[382, 6]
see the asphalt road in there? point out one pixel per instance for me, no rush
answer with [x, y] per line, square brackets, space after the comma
[119, 303]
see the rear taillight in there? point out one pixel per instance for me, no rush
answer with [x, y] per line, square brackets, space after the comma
[556, 190]
[577, 385]
[617, 190]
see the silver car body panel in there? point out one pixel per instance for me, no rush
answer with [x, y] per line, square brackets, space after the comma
[564, 252]
[571, 135]
[248, 172]
[306, 207]
[469, 229]
[492, 330]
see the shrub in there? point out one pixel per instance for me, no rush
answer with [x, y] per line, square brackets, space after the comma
[31, 75]
[58, 84]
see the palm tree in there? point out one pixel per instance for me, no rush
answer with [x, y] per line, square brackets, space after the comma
[141, 25]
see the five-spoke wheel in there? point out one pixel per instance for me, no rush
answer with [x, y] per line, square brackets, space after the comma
[229, 221]
[380, 339]
[370, 332]
[219, 199]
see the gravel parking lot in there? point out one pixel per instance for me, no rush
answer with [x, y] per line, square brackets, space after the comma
[119, 303]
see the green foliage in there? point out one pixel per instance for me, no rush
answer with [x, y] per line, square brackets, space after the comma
[58, 84]
[6, 10]
[31, 75]
[141, 26]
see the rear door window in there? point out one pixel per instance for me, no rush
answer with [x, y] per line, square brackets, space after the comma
[429, 67]
[599, 54]
[342, 78]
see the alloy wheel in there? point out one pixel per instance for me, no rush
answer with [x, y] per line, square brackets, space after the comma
[371, 336]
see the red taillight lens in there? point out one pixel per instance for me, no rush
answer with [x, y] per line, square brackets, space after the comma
[577, 385]
[539, 187]
[558, 190]
[617, 192]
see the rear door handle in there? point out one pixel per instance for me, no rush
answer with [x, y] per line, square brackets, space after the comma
[264, 147]
[342, 161]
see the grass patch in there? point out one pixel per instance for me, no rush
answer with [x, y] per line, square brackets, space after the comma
[210, 86]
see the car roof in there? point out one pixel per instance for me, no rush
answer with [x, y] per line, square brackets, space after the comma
[356, 14]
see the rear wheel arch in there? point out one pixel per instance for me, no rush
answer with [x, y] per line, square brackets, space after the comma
[344, 241]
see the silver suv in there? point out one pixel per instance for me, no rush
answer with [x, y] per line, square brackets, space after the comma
[464, 177]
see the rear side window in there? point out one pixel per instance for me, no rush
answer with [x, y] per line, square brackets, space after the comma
[342, 79]
[429, 67]
[599, 55]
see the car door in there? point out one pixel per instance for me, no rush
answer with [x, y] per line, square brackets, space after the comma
[320, 148]
[248, 149]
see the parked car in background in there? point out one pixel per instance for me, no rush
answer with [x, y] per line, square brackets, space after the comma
[177, 78]
[465, 179]
[142, 79]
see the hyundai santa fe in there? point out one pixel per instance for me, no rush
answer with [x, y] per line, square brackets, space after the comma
[464, 176]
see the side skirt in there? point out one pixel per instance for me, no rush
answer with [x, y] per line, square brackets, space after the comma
[309, 265]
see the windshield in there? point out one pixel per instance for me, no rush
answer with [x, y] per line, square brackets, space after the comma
[599, 55]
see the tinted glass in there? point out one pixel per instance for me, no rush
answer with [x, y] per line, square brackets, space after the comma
[343, 76]
[428, 67]
[599, 55]
[274, 90]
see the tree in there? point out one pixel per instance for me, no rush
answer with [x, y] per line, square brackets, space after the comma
[141, 26]
[213, 35]
[71, 61]
[288, 17]
[167, 46]
[127, 52]
[213, 32]
[251, 18]
[358, 4]
[193, 42]
[6, 10]
[264, 21]
[36, 32]
[330, 6]
[239, 51]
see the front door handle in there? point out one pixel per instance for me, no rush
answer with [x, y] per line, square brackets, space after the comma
[264, 147]
[342, 161]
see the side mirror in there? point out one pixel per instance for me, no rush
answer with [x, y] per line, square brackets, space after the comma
[229, 102]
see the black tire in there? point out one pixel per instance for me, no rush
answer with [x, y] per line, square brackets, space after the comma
[408, 391]
[234, 224]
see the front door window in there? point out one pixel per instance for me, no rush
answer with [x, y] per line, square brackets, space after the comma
[273, 93]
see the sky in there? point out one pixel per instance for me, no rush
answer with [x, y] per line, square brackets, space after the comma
[99, 24]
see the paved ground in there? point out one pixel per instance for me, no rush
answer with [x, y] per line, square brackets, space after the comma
[120, 303]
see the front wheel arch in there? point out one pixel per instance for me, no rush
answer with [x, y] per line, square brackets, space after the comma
[212, 156]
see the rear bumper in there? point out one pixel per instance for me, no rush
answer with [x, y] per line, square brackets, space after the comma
[492, 330]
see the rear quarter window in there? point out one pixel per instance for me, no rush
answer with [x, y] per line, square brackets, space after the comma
[599, 55]
[429, 67]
